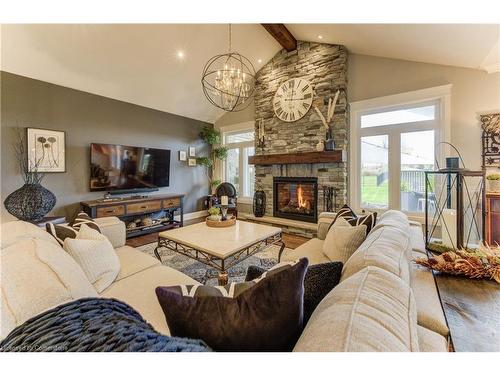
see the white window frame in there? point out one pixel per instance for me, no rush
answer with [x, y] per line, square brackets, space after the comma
[237, 128]
[440, 95]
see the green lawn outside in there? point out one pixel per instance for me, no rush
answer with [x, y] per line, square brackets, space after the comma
[371, 193]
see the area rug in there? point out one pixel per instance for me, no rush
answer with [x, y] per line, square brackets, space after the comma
[206, 274]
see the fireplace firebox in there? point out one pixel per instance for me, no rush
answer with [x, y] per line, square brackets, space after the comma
[296, 198]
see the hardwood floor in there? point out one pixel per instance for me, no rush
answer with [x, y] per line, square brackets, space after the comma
[291, 241]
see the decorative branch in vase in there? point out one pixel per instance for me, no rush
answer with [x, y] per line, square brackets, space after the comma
[32, 201]
[329, 144]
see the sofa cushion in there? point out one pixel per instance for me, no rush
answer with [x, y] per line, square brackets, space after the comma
[429, 341]
[429, 311]
[265, 314]
[395, 219]
[38, 275]
[114, 229]
[138, 290]
[373, 310]
[17, 230]
[417, 239]
[95, 255]
[133, 261]
[342, 241]
[386, 248]
[312, 250]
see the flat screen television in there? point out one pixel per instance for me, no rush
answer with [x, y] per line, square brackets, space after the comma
[121, 168]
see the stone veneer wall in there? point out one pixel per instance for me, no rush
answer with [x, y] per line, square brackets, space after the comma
[325, 66]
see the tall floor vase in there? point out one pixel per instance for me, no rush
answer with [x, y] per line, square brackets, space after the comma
[31, 202]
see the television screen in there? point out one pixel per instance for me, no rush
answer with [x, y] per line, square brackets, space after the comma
[117, 167]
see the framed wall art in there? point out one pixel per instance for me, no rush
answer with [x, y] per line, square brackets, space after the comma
[192, 151]
[46, 150]
[182, 156]
[490, 124]
[192, 162]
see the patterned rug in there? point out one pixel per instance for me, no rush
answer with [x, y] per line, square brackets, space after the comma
[206, 274]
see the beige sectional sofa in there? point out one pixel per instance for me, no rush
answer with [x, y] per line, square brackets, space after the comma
[139, 275]
[385, 256]
[379, 306]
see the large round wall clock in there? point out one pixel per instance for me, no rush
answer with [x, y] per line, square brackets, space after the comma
[293, 99]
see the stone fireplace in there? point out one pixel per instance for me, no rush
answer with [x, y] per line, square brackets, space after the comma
[296, 198]
[325, 67]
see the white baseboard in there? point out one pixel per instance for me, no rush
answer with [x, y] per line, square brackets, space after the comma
[193, 215]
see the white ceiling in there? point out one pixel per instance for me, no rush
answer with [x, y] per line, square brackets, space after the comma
[470, 46]
[138, 63]
[134, 63]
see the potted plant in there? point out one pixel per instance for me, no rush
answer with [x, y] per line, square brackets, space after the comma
[212, 137]
[493, 182]
[214, 213]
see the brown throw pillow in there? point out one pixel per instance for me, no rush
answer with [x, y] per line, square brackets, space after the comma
[320, 279]
[265, 314]
[61, 232]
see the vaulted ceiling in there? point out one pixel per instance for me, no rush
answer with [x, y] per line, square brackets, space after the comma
[141, 63]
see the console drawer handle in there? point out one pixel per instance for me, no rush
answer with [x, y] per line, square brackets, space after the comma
[144, 207]
[111, 210]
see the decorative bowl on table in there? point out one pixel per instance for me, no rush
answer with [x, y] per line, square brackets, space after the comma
[221, 223]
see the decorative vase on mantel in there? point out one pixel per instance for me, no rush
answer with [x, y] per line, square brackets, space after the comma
[31, 202]
[329, 142]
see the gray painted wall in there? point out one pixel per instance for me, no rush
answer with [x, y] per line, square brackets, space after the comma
[88, 118]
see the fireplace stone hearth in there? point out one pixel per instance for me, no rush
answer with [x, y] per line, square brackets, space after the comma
[325, 67]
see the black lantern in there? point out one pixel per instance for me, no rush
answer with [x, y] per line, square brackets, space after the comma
[454, 209]
[259, 203]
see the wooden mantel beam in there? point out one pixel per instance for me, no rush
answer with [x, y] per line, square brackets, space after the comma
[282, 35]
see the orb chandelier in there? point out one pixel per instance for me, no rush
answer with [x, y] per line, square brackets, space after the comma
[228, 80]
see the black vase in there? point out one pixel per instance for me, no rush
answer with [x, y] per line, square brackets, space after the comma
[30, 203]
[259, 203]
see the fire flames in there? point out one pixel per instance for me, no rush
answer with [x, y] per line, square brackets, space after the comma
[302, 202]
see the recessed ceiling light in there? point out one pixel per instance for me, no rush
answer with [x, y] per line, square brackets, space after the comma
[180, 54]
[320, 36]
[259, 61]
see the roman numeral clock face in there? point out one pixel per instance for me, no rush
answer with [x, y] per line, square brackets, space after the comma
[293, 99]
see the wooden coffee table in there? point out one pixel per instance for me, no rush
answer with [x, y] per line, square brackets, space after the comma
[220, 248]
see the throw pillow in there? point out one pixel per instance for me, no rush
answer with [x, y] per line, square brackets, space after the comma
[345, 212]
[342, 241]
[261, 315]
[61, 232]
[95, 255]
[368, 220]
[320, 279]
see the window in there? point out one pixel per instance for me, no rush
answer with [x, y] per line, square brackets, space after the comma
[392, 145]
[237, 170]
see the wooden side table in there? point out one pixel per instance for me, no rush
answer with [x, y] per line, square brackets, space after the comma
[493, 218]
[49, 219]
[472, 311]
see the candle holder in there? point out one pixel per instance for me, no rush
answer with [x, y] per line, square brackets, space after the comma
[223, 210]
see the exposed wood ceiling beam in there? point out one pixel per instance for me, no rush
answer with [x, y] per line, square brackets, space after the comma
[282, 35]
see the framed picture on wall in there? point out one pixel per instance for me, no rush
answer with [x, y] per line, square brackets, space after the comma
[192, 162]
[182, 156]
[192, 151]
[46, 150]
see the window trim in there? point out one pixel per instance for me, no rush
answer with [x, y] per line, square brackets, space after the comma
[441, 95]
[234, 128]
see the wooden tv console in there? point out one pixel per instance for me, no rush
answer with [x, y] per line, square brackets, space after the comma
[160, 208]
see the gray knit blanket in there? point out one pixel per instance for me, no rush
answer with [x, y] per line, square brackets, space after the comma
[93, 325]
